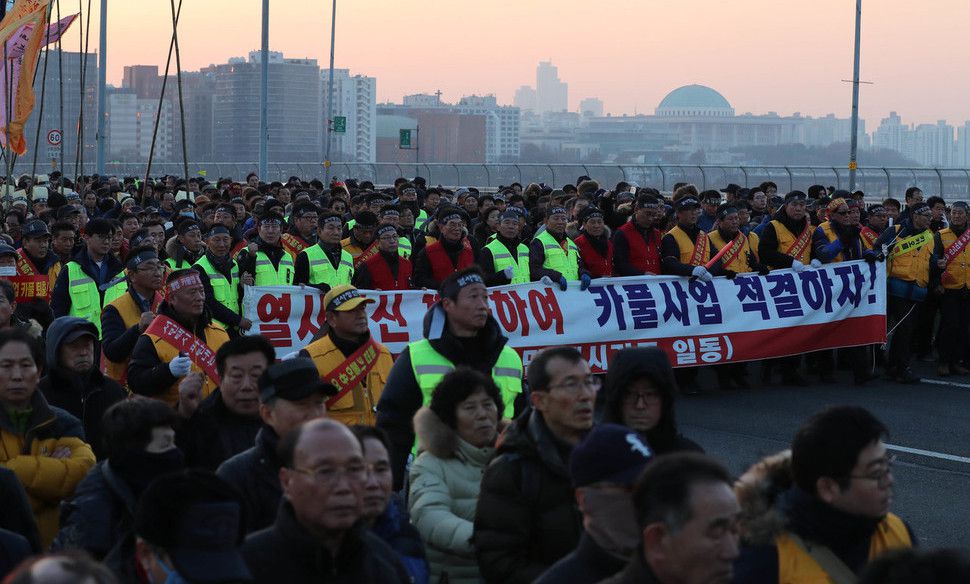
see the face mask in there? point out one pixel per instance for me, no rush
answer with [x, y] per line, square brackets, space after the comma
[611, 521]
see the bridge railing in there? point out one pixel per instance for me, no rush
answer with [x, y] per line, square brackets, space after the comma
[951, 183]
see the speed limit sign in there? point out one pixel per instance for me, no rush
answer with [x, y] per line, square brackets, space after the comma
[54, 137]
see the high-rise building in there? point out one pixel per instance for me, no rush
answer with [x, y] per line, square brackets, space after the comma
[525, 99]
[501, 126]
[963, 146]
[131, 127]
[591, 107]
[354, 98]
[294, 115]
[552, 95]
[934, 144]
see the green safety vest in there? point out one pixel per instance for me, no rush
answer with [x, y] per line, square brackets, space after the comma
[430, 367]
[85, 298]
[323, 272]
[503, 259]
[422, 220]
[225, 291]
[559, 260]
[404, 247]
[116, 289]
[182, 265]
[267, 275]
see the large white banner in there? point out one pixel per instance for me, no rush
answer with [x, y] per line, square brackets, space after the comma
[696, 323]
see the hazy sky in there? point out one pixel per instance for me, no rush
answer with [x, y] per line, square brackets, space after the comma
[763, 55]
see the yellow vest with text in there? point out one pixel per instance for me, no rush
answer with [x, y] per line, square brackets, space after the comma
[215, 337]
[558, 259]
[786, 239]
[130, 314]
[323, 272]
[957, 275]
[911, 265]
[85, 298]
[740, 262]
[686, 247]
[503, 259]
[359, 405]
[224, 290]
[267, 275]
[796, 566]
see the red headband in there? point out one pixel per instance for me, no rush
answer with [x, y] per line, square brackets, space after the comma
[182, 282]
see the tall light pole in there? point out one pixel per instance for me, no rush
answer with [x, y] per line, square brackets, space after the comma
[102, 85]
[854, 138]
[264, 97]
[326, 157]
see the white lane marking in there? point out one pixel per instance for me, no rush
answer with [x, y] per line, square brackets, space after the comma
[930, 453]
[939, 382]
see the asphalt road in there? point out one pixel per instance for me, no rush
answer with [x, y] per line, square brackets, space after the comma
[929, 428]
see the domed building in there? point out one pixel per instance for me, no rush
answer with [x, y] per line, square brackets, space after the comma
[694, 101]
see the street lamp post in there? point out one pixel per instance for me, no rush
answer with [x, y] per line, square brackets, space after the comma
[102, 88]
[326, 157]
[854, 138]
[264, 97]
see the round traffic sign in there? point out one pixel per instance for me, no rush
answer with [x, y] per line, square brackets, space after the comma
[54, 137]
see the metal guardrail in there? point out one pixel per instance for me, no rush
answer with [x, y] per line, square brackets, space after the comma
[951, 183]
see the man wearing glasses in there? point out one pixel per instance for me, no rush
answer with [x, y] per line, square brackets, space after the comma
[81, 285]
[527, 518]
[318, 535]
[836, 515]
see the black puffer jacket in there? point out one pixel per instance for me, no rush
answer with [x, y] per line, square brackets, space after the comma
[651, 363]
[527, 517]
[255, 474]
[214, 433]
[86, 397]
[286, 552]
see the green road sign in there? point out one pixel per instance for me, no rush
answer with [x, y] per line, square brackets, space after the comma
[405, 139]
[339, 124]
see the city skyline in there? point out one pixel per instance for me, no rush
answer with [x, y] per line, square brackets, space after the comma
[760, 64]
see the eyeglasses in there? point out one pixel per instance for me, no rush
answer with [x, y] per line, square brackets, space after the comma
[330, 475]
[649, 398]
[882, 477]
[575, 385]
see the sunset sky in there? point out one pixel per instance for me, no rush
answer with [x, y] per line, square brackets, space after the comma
[763, 55]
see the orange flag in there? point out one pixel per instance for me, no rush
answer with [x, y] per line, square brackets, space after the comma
[22, 92]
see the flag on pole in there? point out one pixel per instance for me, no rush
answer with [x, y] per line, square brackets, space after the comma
[18, 99]
[18, 43]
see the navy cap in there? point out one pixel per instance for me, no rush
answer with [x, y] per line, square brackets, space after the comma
[610, 453]
[919, 209]
[35, 228]
[293, 379]
[206, 544]
[687, 203]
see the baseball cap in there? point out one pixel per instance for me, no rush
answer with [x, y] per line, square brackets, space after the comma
[293, 379]
[609, 453]
[34, 228]
[344, 298]
[687, 203]
[67, 211]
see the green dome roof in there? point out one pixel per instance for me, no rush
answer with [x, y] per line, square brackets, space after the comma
[694, 97]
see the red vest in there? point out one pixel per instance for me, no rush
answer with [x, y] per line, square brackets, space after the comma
[441, 265]
[381, 276]
[597, 265]
[645, 258]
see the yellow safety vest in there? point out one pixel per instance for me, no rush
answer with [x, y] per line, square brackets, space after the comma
[830, 234]
[503, 259]
[215, 337]
[796, 566]
[687, 246]
[130, 313]
[557, 259]
[225, 291]
[786, 239]
[740, 263]
[910, 262]
[957, 275]
[359, 405]
[267, 275]
[323, 272]
[85, 298]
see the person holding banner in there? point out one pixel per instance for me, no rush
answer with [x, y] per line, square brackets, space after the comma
[637, 242]
[349, 358]
[452, 252]
[303, 229]
[909, 280]
[458, 330]
[553, 255]
[953, 260]
[125, 318]
[221, 280]
[594, 243]
[37, 271]
[264, 259]
[80, 287]
[387, 269]
[326, 264]
[180, 341]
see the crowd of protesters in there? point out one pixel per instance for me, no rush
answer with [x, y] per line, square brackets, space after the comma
[146, 437]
